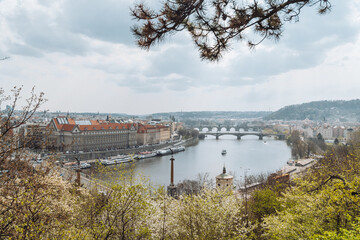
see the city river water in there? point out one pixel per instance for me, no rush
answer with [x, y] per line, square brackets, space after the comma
[250, 154]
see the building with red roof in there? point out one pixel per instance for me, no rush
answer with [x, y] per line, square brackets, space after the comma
[67, 134]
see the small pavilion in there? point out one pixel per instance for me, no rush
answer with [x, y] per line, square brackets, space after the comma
[224, 180]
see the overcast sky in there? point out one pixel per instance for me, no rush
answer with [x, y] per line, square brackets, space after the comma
[82, 55]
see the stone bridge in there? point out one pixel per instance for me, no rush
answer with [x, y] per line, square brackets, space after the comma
[261, 135]
[228, 128]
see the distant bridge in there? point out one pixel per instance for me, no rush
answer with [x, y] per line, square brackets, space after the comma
[228, 128]
[239, 134]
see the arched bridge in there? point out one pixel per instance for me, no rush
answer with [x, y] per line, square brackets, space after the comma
[237, 128]
[240, 134]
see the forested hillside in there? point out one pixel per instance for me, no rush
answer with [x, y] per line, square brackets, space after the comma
[212, 114]
[320, 111]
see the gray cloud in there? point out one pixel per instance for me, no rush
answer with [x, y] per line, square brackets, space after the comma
[304, 44]
[105, 20]
[96, 45]
[40, 33]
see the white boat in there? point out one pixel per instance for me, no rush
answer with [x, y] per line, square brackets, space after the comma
[178, 149]
[85, 165]
[144, 155]
[122, 160]
[163, 152]
[107, 162]
[223, 152]
[169, 151]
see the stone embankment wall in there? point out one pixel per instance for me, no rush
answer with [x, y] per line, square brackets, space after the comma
[109, 153]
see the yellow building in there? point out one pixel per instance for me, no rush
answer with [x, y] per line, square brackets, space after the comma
[152, 134]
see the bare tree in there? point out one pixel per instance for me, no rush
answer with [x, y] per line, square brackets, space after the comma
[12, 119]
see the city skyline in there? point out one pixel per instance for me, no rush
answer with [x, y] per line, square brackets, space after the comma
[83, 56]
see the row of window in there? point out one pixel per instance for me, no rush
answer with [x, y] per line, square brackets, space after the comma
[105, 139]
[103, 132]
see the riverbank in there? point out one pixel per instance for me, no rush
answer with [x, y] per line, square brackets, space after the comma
[91, 157]
[109, 153]
[190, 142]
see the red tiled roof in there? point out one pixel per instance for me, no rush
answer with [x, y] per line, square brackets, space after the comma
[103, 126]
[94, 122]
[68, 127]
[71, 121]
[95, 125]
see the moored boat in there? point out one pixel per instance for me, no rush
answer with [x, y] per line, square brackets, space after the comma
[178, 149]
[85, 165]
[107, 162]
[169, 151]
[163, 152]
[122, 160]
[143, 155]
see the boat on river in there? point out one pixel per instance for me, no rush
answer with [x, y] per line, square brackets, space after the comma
[85, 165]
[143, 155]
[163, 152]
[107, 162]
[120, 159]
[169, 151]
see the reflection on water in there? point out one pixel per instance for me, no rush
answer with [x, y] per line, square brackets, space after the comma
[260, 156]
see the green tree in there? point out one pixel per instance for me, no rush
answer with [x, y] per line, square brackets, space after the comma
[320, 137]
[263, 202]
[298, 146]
[323, 204]
[213, 24]
[210, 215]
[120, 213]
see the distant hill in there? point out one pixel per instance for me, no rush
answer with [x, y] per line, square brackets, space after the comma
[345, 111]
[212, 115]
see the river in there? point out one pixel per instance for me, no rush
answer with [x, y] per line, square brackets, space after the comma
[248, 154]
